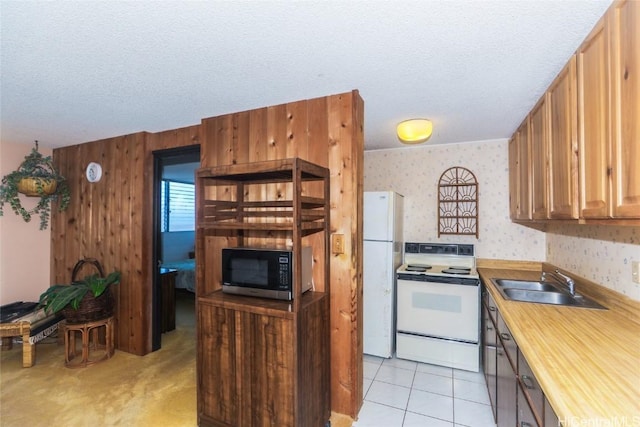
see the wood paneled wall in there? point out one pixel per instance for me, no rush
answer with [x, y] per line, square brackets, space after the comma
[112, 220]
[104, 221]
[327, 131]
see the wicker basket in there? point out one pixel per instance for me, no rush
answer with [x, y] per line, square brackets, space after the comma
[91, 308]
[29, 186]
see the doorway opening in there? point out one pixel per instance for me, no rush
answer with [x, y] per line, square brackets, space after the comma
[173, 235]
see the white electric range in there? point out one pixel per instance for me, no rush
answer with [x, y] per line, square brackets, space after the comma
[438, 305]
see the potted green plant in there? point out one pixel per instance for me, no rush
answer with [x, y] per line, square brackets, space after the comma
[84, 300]
[36, 177]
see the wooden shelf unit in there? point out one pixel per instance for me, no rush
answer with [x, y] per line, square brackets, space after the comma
[302, 213]
[264, 361]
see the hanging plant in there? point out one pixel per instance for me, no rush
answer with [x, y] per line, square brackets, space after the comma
[36, 177]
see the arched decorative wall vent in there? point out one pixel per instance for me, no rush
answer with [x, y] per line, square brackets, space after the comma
[458, 202]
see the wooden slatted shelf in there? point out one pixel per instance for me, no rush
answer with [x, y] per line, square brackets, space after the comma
[263, 172]
[308, 213]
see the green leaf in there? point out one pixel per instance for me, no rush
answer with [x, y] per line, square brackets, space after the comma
[58, 297]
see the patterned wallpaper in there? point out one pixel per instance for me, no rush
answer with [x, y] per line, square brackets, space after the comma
[600, 254]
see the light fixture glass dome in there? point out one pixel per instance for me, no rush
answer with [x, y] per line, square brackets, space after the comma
[414, 131]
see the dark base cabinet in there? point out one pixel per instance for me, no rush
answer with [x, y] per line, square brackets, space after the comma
[515, 395]
[261, 364]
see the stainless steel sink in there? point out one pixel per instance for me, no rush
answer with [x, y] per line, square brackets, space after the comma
[541, 293]
[542, 297]
[525, 284]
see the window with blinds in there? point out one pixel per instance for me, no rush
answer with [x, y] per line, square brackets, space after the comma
[177, 204]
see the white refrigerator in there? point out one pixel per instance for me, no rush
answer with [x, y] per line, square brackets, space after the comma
[383, 212]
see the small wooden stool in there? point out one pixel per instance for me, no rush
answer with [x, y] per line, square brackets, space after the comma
[9, 330]
[90, 333]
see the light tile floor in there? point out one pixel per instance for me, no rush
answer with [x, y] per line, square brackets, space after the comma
[402, 393]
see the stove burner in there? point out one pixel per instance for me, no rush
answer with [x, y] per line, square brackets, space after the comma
[457, 267]
[456, 270]
[419, 268]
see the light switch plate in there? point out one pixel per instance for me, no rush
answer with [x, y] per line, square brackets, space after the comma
[337, 244]
[635, 271]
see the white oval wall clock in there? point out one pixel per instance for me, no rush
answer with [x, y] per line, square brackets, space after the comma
[94, 172]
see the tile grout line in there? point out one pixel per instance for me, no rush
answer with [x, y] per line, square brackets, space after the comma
[451, 377]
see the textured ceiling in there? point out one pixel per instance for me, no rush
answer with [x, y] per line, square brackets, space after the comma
[73, 72]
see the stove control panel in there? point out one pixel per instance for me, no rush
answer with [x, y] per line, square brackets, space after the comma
[438, 249]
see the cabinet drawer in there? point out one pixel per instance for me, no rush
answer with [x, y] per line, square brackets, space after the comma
[510, 345]
[530, 386]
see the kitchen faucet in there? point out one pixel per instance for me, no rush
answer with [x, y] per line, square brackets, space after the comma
[560, 278]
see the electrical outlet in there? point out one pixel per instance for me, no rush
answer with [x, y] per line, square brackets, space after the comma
[548, 249]
[635, 271]
[337, 244]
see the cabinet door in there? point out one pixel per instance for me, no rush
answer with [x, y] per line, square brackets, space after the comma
[488, 327]
[267, 364]
[218, 393]
[563, 149]
[489, 356]
[550, 417]
[593, 127]
[507, 389]
[538, 136]
[530, 388]
[524, 167]
[508, 342]
[513, 177]
[519, 180]
[625, 44]
[525, 414]
[490, 372]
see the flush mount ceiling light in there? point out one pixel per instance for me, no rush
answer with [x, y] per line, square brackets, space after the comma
[414, 131]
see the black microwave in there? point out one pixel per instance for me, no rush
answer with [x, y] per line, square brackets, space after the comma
[264, 272]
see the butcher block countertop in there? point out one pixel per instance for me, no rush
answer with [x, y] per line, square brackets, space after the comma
[587, 361]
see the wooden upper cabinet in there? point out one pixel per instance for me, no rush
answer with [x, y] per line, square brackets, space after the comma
[519, 167]
[609, 116]
[624, 22]
[563, 144]
[538, 141]
[584, 133]
[593, 127]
